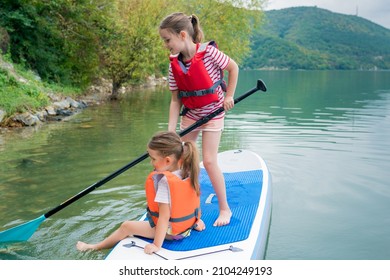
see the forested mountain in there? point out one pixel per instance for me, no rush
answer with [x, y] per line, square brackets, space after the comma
[314, 38]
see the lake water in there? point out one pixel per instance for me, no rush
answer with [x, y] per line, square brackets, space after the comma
[325, 136]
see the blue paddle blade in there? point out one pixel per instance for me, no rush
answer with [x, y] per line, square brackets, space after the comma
[21, 232]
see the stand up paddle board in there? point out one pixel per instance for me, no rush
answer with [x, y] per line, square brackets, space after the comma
[248, 187]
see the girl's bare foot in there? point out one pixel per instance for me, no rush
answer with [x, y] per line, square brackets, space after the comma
[223, 218]
[200, 225]
[81, 246]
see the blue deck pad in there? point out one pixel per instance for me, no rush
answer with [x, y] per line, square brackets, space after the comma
[243, 191]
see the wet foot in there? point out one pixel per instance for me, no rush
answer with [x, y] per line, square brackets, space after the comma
[81, 246]
[223, 218]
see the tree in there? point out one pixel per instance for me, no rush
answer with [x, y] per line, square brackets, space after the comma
[58, 39]
[73, 42]
[132, 48]
[81, 25]
[228, 22]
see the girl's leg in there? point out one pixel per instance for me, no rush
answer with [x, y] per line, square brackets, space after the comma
[193, 136]
[210, 144]
[127, 228]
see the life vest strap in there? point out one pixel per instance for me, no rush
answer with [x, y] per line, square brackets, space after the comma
[201, 48]
[151, 214]
[185, 218]
[200, 92]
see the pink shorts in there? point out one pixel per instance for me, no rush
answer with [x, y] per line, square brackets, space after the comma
[211, 125]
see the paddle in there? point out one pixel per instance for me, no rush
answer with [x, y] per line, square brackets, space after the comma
[24, 231]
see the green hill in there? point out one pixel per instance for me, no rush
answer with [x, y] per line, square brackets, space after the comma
[314, 38]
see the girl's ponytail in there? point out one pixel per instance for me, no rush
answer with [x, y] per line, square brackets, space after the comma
[190, 166]
[197, 37]
[168, 143]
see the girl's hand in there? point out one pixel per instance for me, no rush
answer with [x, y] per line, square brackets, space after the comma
[228, 103]
[151, 248]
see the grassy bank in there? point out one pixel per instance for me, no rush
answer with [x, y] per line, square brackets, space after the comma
[21, 90]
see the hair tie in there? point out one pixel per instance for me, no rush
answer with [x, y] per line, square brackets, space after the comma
[192, 19]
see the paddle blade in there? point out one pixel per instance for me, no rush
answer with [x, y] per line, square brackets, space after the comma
[21, 232]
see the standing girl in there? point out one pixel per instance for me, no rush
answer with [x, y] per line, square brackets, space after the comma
[196, 82]
[172, 194]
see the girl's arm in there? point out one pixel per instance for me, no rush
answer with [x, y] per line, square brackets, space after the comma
[161, 229]
[232, 70]
[174, 111]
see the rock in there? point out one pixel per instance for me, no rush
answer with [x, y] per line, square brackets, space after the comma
[63, 104]
[27, 119]
[42, 115]
[151, 81]
[83, 104]
[64, 112]
[50, 110]
[60, 109]
[6, 65]
[2, 115]
[73, 103]
[54, 97]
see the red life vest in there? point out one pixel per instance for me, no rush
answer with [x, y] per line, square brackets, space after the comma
[196, 89]
[185, 203]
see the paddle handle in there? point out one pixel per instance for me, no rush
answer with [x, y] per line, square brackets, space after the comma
[260, 86]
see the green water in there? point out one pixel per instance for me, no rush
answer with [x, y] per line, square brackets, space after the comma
[324, 135]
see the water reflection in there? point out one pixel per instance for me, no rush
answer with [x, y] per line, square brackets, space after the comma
[324, 135]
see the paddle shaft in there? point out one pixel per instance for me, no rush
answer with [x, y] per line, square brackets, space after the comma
[260, 86]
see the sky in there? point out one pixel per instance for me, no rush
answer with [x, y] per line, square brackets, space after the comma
[377, 11]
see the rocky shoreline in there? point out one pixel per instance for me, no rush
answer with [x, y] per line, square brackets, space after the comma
[59, 108]
[62, 107]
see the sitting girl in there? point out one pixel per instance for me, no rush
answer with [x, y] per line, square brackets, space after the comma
[172, 194]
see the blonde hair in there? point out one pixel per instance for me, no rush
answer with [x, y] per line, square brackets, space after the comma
[178, 22]
[169, 143]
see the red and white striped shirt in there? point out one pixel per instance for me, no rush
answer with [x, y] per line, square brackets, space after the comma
[214, 61]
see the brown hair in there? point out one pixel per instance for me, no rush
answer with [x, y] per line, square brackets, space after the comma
[178, 22]
[169, 143]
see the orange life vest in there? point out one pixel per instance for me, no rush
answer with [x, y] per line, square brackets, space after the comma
[185, 203]
[196, 89]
